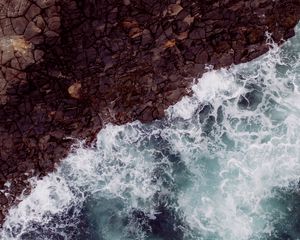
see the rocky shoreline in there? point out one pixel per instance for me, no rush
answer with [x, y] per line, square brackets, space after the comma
[69, 67]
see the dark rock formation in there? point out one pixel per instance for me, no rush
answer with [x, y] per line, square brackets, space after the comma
[70, 66]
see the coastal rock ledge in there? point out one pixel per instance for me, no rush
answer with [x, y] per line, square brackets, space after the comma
[68, 67]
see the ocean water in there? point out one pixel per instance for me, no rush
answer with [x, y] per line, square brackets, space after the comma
[223, 165]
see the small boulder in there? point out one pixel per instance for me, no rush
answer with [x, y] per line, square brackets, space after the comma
[74, 90]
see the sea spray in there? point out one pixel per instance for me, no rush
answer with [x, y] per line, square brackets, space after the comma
[224, 164]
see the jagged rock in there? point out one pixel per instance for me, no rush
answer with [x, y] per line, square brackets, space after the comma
[197, 34]
[3, 199]
[54, 23]
[16, 8]
[45, 3]
[38, 55]
[33, 11]
[31, 30]
[40, 23]
[74, 90]
[19, 24]
[202, 57]
[174, 9]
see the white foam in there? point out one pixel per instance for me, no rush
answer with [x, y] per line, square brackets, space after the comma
[250, 169]
[211, 85]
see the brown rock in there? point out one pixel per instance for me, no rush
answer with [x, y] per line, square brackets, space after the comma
[170, 43]
[135, 32]
[3, 84]
[3, 199]
[51, 34]
[189, 19]
[183, 35]
[180, 26]
[17, 8]
[75, 90]
[126, 2]
[39, 22]
[19, 24]
[290, 21]
[38, 55]
[130, 23]
[31, 31]
[202, 57]
[7, 55]
[255, 35]
[15, 64]
[197, 33]
[2, 217]
[174, 9]
[226, 59]
[146, 115]
[6, 27]
[45, 3]
[54, 23]
[33, 11]
[146, 37]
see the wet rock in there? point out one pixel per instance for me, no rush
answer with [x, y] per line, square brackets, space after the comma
[51, 34]
[6, 56]
[54, 23]
[255, 36]
[16, 50]
[146, 115]
[135, 32]
[170, 43]
[19, 24]
[174, 9]
[126, 2]
[45, 3]
[33, 11]
[130, 23]
[31, 31]
[74, 90]
[38, 55]
[3, 199]
[2, 217]
[197, 34]
[202, 57]
[16, 8]
[40, 23]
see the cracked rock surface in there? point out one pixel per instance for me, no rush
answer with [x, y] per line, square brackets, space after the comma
[67, 67]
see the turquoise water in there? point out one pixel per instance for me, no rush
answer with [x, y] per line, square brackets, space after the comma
[223, 165]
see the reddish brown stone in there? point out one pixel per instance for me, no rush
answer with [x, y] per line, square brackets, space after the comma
[16, 8]
[54, 23]
[202, 57]
[45, 3]
[31, 31]
[74, 90]
[19, 24]
[33, 11]
[3, 199]
[197, 34]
